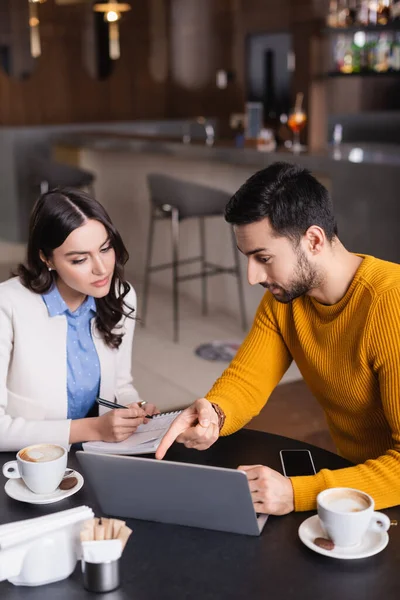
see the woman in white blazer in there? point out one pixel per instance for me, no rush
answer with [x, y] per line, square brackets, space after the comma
[66, 330]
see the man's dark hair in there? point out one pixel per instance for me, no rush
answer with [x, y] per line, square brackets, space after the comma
[289, 196]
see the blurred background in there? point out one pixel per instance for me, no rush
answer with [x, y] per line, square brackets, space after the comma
[162, 109]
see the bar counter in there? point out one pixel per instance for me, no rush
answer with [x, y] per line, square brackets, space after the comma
[364, 182]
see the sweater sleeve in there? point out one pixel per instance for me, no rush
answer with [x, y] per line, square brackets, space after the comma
[261, 361]
[380, 476]
[17, 432]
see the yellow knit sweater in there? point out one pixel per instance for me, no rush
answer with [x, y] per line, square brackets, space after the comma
[349, 356]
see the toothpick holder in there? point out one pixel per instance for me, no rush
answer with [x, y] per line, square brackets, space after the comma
[101, 577]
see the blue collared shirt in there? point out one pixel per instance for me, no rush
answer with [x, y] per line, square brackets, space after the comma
[83, 366]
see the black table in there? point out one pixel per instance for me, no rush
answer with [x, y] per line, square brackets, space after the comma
[168, 562]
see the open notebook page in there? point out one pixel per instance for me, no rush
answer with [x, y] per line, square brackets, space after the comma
[146, 438]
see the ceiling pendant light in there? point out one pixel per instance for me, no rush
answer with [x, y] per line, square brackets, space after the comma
[112, 14]
[36, 49]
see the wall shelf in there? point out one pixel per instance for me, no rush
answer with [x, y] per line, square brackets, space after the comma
[395, 26]
[364, 74]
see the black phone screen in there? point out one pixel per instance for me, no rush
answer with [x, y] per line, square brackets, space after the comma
[297, 462]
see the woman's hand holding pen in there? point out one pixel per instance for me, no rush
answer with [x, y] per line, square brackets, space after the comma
[118, 424]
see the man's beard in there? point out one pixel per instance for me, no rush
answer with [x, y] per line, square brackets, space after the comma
[305, 278]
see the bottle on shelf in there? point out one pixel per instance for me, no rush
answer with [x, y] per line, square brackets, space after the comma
[337, 137]
[382, 54]
[352, 13]
[342, 13]
[363, 12]
[345, 13]
[332, 19]
[395, 55]
[364, 65]
[355, 55]
[373, 12]
[395, 10]
[239, 134]
[284, 135]
[348, 59]
[371, 52]
[254, 119]
[297, 121]
[384, 12]
[364, 50]
[339, 52]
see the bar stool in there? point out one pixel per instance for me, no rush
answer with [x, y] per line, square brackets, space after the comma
[47, 174]
[177, 200]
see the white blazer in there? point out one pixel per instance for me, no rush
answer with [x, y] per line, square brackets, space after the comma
[33, 369]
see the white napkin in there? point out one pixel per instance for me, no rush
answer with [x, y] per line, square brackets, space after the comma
[101, 551]
[19, 532]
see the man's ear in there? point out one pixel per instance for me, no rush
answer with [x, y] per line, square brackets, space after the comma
[315, 239]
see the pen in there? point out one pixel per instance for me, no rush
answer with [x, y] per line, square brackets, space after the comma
[109, 404]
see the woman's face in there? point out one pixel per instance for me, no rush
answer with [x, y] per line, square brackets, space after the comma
[85, 262]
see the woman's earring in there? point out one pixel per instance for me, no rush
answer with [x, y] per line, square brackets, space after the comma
[50, 269]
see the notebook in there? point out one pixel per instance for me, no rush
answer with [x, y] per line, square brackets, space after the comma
[145, 440]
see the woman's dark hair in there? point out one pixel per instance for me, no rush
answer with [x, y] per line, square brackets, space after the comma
[54, 216]
[289, 196]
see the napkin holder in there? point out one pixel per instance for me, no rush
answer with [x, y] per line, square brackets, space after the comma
[44, 559]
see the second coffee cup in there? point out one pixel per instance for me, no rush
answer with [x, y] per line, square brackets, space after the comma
[347, 514]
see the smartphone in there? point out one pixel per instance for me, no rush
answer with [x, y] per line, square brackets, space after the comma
[297, 462]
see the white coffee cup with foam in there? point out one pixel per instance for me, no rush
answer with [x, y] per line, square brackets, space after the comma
[347, 514]
[41, 466]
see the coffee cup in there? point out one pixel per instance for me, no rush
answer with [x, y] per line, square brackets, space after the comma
[347, 514]
[41, 467]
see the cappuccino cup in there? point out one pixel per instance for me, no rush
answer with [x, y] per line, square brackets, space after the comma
[347, 514]
[41, 467]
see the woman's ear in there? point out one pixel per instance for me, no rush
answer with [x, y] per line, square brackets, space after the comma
[45, 261]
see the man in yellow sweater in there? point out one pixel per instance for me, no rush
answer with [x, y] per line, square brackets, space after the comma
[335, 313]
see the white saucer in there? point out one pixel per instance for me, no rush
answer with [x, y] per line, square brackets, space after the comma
[16, 488]
[372, 543]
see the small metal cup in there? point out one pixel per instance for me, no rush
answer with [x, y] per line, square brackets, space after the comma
[101, 577]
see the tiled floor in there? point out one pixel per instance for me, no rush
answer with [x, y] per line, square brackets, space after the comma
[172, 376]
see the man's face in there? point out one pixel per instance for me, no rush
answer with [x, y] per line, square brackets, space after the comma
[276, 263]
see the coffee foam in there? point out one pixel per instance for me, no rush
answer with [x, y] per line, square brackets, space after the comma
[41, 453]
[346, 501]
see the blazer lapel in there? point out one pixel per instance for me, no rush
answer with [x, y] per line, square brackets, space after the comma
[107, 358]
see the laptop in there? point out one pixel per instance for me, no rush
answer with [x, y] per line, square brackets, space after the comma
[170, 492]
